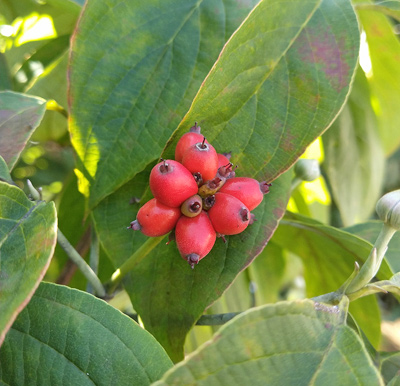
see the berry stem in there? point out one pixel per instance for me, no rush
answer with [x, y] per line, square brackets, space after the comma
[371, 267]
[295, 183]
[133, 260]
[82, 265]
[93, 257]
[195, 207]
[164, 166]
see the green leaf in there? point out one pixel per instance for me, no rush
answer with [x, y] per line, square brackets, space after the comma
[390, 364]
[267, 272]
[4, 172]
[60, 11]
[384, 51]
[329, 255]
[353, 140]
[5, 81]
[389, 8]
[283, 344]
[65, 336]
[50, 19]
[71, 222]
[392, 285]
[178, 294]
[278, 84]
[28, 235]
[48, 53]
[395, 381]
[368, 346]
[142, 80]
[19, 116]
[54, 57]
[237, 298]
[370, 231]
[54, 125]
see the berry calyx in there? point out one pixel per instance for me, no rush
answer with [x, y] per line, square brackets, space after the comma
[208, 202]
[187, 140]
[155, 219]
[248, 190]
[228, 215]
[226, 171]
[198, 178]
[171, 183]
[201, 158]
[194, 237]
[211, 187]
[192, 206]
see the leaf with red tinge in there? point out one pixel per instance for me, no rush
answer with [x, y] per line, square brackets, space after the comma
[279, 83]
[28, 234]
[20, 115]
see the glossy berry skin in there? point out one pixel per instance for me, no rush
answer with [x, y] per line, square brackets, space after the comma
[248, 190]
[228, 215]
[222, 160]
[194, 237]
[155, 219]
[171, 183]
[201, 158]
[187, 140]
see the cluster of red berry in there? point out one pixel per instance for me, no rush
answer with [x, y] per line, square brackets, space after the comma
[198, 195]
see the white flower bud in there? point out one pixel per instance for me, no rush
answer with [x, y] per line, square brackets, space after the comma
[307, 169]
[388, 209]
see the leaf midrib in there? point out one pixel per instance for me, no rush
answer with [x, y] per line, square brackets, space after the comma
[267, 75]
[20, 221]
[41, 343]
[70, 307]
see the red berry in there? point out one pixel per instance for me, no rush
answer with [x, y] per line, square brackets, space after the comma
[223, 159]
[171, 183]
[248, 190]
[201, 158]
[194, 237]
[192, 206]
[187, 140]
[156, 219]
[228, 215]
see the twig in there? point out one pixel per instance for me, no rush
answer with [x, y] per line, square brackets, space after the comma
[82, 265]
[94, 256]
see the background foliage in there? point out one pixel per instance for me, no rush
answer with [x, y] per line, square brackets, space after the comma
[87, 108]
